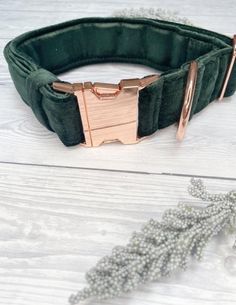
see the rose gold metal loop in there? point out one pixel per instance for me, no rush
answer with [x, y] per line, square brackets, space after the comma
[109, 112]
[229, 70]
[188, 100]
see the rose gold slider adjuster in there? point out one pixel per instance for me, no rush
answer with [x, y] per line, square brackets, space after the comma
[229, 70]
[190, 90]
[188, 100]
[109, 112]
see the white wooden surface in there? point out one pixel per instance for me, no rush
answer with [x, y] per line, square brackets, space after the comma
[61, 209]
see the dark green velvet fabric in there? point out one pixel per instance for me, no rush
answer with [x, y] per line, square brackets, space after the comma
[35, 58]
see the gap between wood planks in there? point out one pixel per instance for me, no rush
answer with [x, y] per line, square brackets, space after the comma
[119, 171]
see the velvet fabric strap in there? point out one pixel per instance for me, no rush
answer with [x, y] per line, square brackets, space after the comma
[37, 57]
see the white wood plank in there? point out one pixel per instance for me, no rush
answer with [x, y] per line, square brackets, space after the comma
[56, 223]
[211, 8]
[209, 147]
[34, 20]
[21, 16]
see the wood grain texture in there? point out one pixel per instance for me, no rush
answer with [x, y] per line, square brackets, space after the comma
[56, 223]
[61, 209]
[218, 16]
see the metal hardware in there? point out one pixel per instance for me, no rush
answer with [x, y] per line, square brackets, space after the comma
[188, 100]
[109, 112]
[230, 68]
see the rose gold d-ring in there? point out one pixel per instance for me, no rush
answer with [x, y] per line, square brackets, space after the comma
[188, 100]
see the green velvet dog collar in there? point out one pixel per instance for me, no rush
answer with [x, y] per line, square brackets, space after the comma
[197, 64]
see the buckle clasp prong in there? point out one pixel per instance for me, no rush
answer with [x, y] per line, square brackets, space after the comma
[109, 112]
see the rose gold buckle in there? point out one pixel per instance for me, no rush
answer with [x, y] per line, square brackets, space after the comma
[229, 70]
[109, 112]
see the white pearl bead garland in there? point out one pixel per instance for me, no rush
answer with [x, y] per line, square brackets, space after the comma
[162, 247]
[154, 13]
